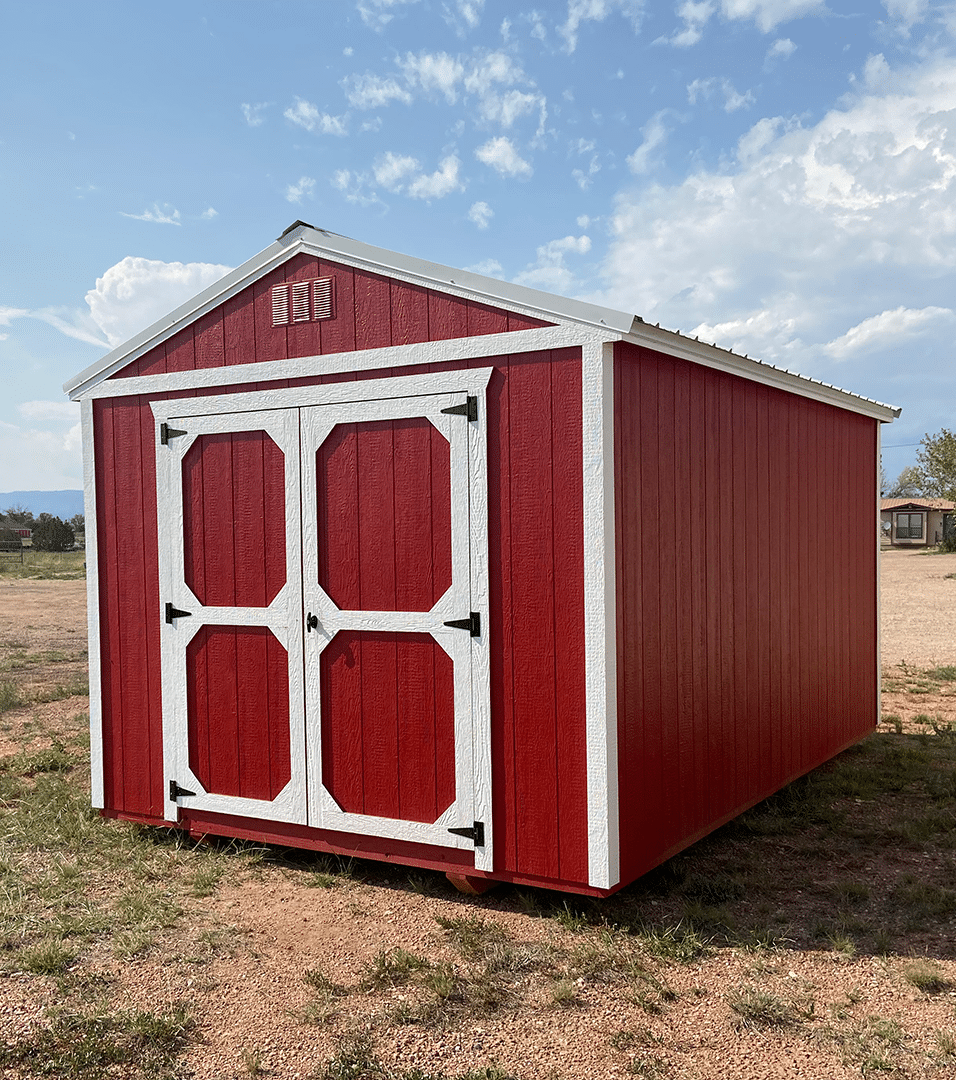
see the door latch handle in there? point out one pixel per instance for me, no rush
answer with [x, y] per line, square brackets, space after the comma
[311, 622]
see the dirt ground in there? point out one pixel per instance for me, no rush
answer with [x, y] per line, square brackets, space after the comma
[256, 1005]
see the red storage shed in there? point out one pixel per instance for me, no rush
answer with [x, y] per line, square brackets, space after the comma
[392, 559]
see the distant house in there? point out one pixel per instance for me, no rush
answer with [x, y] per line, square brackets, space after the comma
[915, 522]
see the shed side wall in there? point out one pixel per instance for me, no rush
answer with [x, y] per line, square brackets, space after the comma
[536, 543]
[746, 578]
[370, 311]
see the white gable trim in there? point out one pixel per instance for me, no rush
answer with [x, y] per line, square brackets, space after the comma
[424, 352]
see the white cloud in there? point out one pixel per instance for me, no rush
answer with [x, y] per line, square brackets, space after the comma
[505, 109]
[308, 116]
[440, 183]
[377, 14]
[580, 11]
[549, 270]
[434, 72]
[906, 12]
[253, 113]
[8, 314]
[374, 92]
[158, 215]
[209, 213]
[489, 268]
[464, 15]
[538, 30]
[295, 192]
[770, 13]
[815, 229]
[885, 329]
[61, 411]
[706, 87]
[480, 214]
[695, 17]
[353, 187]
[781, 49]
[135, 292]
[583, 178]
[502, 156]
[655, 135]
[492, 69]
[392, 170]
[33, 458]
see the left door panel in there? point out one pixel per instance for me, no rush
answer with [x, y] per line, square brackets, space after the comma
[231, 607]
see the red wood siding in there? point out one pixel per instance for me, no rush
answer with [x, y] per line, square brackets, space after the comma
[370, 311]
[536, 554]
[386, 752]
[237, 689]
[746, 594]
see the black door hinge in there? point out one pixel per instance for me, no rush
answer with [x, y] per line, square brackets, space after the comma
[476, 833]
[173, 612]
[472, 624]
[175, 791]
[166, 433]
[469, 408]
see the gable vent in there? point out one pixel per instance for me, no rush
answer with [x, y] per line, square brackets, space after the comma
[300, 301]
[309, 300]
[280, 305]
[322, 298]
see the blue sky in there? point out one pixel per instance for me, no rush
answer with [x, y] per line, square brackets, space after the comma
[777, 176]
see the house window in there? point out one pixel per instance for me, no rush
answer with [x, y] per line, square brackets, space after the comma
[909, 526]
[303, 301]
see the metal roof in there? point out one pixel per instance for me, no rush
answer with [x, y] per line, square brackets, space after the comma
[608, 323]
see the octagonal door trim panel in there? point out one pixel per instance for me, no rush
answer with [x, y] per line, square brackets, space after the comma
[369, 495]
[228, 511]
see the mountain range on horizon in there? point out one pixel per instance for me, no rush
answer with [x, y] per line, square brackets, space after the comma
[61, 504]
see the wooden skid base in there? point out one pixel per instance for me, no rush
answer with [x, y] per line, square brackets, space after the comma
[469, 885]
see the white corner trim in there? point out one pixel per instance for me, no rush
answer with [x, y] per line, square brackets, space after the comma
[879, 591]
[97, 784]
[425, 352]
[600, 615]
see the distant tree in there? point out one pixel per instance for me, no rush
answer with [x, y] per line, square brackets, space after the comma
[77, 523]
[936, 464]
[908, 485]
[18, 517]
[52, 534]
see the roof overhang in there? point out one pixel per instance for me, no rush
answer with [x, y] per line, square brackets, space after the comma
[607, 324]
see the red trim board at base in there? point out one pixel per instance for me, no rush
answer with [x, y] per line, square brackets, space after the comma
[280, 834]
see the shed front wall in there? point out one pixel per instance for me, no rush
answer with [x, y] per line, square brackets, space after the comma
[536, 545]
[746, 594]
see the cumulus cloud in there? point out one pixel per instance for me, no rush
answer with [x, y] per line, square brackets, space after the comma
[706, 88]
[135, 292]
[159, 215]
[209, 213]
[549, 270]
[373, 91]
[581, 11]
[377, 14]
[781, 49]
[308, 116]
[40, 458]
[502, 156]
[254, 113]
[906, 13]
[440, 183]
[816, 228]
[655, 135]
[294, 193]
[770, 13]
[434, 73]
[464, 15]
[885, 329]
[488, 267]
[392, 170]
[480, 214]
[695, 17]
[64, 411]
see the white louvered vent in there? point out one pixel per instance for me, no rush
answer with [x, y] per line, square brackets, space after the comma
[280, 305]
[309, 300]
[300, 301]
[322, 298]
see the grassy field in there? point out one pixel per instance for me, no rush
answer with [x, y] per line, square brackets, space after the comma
[65, 565]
